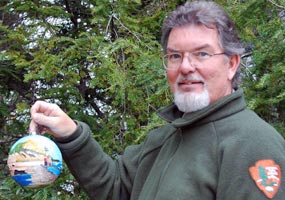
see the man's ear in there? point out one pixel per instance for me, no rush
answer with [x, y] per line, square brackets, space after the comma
[233, 66]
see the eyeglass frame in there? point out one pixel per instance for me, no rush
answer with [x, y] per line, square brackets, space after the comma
[192, 53]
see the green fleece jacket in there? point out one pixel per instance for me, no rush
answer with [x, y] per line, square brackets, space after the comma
[222, 152]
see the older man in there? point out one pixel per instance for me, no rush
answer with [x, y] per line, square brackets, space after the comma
[212, 147]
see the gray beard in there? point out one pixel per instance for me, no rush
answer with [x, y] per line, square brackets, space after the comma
[189, 102]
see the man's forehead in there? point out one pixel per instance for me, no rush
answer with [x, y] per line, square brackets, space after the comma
[192, 37]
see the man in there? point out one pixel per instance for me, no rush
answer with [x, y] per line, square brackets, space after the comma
[211, 148]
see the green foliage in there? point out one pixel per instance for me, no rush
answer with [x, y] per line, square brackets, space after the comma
[264, 82]
[100, 62]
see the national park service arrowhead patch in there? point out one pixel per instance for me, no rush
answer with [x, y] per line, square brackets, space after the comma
[267, 176]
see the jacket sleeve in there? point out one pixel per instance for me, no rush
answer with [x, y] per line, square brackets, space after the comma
[97, 173]
[252, 164]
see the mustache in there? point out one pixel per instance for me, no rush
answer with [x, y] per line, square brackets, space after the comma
[189, 77]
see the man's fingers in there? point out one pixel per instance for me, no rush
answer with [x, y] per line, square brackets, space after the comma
[33, 128]
[47, 117]
[42, 120]
[43, 107]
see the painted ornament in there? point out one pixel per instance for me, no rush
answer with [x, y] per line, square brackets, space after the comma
[34, 161]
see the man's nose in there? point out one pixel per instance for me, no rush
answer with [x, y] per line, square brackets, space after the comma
[187, 65]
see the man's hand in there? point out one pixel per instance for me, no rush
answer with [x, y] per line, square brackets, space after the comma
[47, 117]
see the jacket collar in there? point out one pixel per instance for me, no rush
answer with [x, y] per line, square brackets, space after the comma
[224, 107]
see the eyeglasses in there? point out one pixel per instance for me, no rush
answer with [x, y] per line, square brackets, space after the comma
[173, 60]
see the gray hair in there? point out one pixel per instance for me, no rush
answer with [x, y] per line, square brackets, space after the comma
[210, 15]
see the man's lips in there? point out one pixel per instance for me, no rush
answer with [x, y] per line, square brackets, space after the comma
[190, 85]
[190, 82]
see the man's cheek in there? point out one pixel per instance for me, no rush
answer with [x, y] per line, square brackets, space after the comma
[172, 77]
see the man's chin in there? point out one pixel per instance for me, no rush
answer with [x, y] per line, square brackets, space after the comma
[194, 91]
[191, 101]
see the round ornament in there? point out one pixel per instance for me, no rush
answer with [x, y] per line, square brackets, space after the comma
[34, 160]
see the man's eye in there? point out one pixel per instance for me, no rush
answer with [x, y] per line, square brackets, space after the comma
[174, 56]
[202, 54]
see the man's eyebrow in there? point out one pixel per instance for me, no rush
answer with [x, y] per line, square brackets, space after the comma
[204, 46]
[173, 50]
